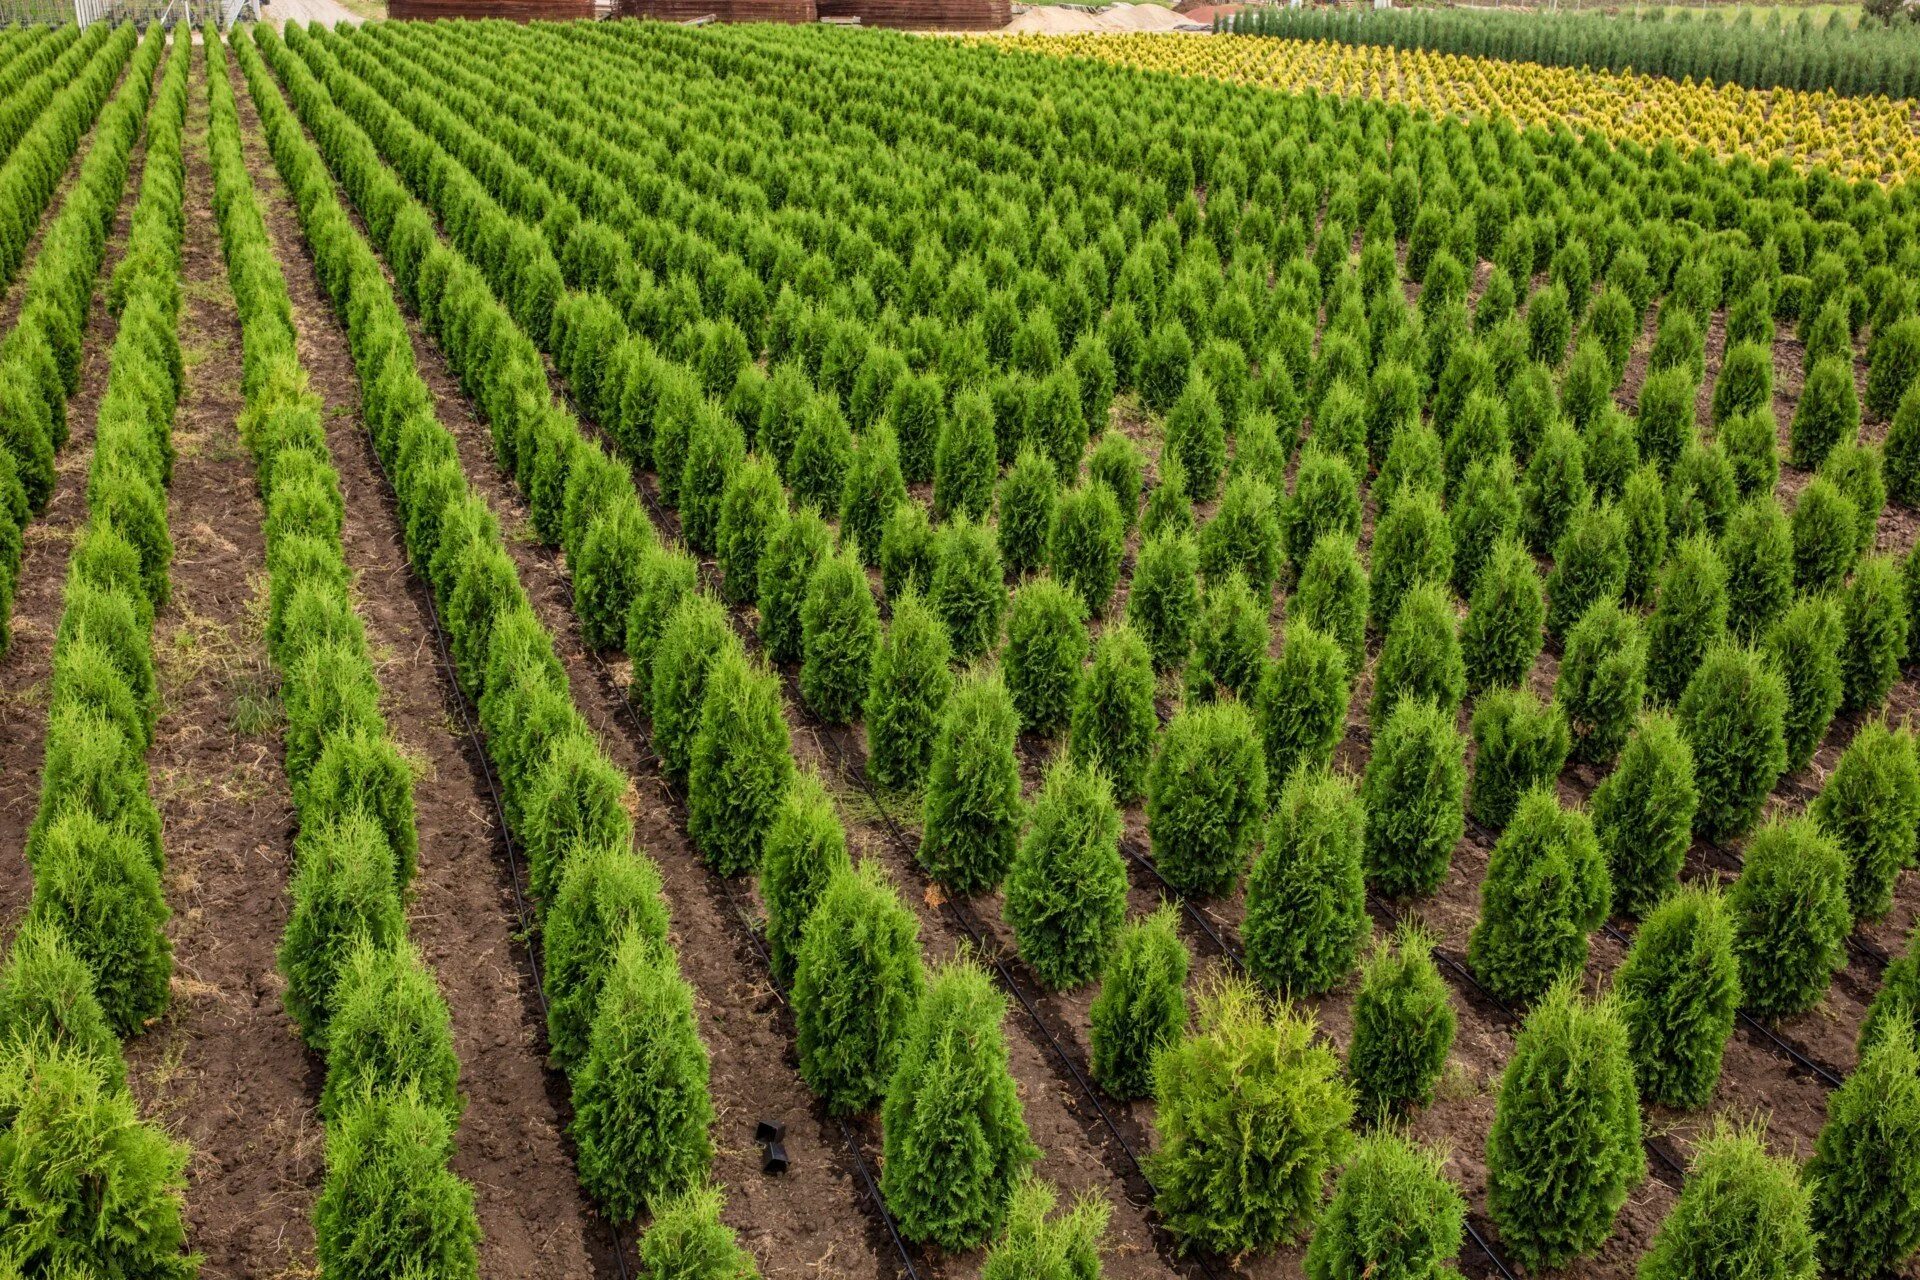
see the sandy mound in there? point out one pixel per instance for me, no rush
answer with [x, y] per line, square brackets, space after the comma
[1050, 20]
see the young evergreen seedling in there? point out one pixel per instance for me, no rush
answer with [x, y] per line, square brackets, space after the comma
[1519, 744]
[1046, 646]
[1865, 1171]
[1415, 791]
[606, 891]
[1086, 544]
[1678, 990]
[1037, 1244]
[1230, 644]
[1412, 544]
[1545, 890]
[1394, 1213]
[1734, 716]
[1873, 626]
[1403, 1025]
[1643, 814]
[1871, 807]
[1744, 1214]
[971, 820]
[839, 630]
[907, 694]
[1333, 597]
[857, 980]
[1421, 657]
[388, 1204]
[1601, 684]
[1688, 620]
[1503, 632]
[742, 764]
[1142, 1005]
[1206, 794]
[1066, 894]
[687, 1241]
[1307, 896]
[799, 544]
[1302, 702]
[1589, 566]
[968, 590]
[1114, 724]
[1325, 501]
[1757, 550]
[1804, 649]
[1791, 917]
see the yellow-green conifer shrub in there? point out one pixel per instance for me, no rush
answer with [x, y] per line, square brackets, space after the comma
[1744, 1214]
[857, 980]
[1865, 1171]
[1394, 1215]
[388, 1204]
[1038, 1244]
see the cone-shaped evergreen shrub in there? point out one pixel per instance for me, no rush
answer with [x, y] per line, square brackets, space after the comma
[969, 591]
[1477, 434]
[1749, 443]
[1244, 536]
[1564, 1152]
[1403, 1025]
[1066, 894]
[390, 1031]
[1589, 565]
[1415, 789]
[1485, 513]
[1039, 1245]
[1519, 744]
[805, 848]
[1757, 550]
[1412, 544]
[1117, 463]
[742, 764]
[1873, 627]
[1196, 435]
[1734, 715]
[664, 576]
[873, 488]
[1302, 703]
[1394, 1214]
[1142, 1005]
[966, 459]
[1307, 896]
[1827, 414]
[342, 892]
[606, 891]
[1688, 620]
[1903, 448]
[971, 820]
[1163, 602]
[1230, 643]
[687, 1241]
[46, 999]
[913, 410]
[822, 455]
[1790, 917]
[1742, 1215]
[1206, 794]
[857, 979]
[840, 629]
[1421, 657]
[1502, 632]
[1745, 382]
[908, 692]
[641, 1111]
[752, 510]
[389, 1205]
[1555, 488]
[906, 551]
[1826, 531]
[1333, 597]
[1893, 366]
[1855, 469]
[798, 545]
[1169, 509]
[1028, 497]
[1895, 1005]
[1643, 503]
[1804, 648]
[1253, 1120]
[1643, 814]
[1602, 681]
[956, 1140]
[1545, 890]
[1114, 724]
[715, 450]
[1871, 807]
[695, 635]
[1087, 543]
[1678, 990]
[1666, 415]
[1325, 501]
[1165, 361]
[1865, 1171]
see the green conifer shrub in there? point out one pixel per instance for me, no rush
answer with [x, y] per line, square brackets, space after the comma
[857, 980]
[1896, 1005]
[1734, 715]
[906, 551]
[1757, 550]
[1230, 643]
[1902, 447]
[1333, 596]
[1169, 509]
[822, 455]
[1689, 619]
[1893, 366]
[1873, 627]
[606, 891]
[1394, 1214]
[715, 450]
[1253, 1093]
[342, 891]
[1749, 441]
[1142, 1005]
[1589, 565]
[840, 629]
[1325, 501]
[1564, 1151]
[1243, 536]
[640, 1102]
[1826, 415]
[1113, 724]
[47, 999]
[971, 819]
[1643, 814]
[1665, 417]
[1307, 896]
[805, 848]
[389, 1205]
[1206, 794]
[1804, 648]
[1826, 531]
[1196, 435]
[1503, 632]
[1643, 504]
[1087, 543]
[1545, 890]
[1519, 744]
[799, 544]
[1412, 544]
[913, 410]
[956, 1140]
[1163, 601]
[1602, 680]
[752, 510]
[1165, 361]
[968, 591]
[1865, 1171]
[1302, 702]
[391, 1031]
[1028, 496]
[908, 691]
[695, 636]
[687, 1241]
[1742, 1215]
[742, 763]
[1555, 488]
[1066, 893]
[1421, 658]
[1790, 917]
[873, 487]
[1415, 792]
[1040, 1245]
[1484, 512]
[1745, 382]
[1870, 805]
[1678, 990]
[965, 460]
[1403, 1025]
[1855, 469]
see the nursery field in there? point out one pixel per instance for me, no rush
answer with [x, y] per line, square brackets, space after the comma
[646, 651]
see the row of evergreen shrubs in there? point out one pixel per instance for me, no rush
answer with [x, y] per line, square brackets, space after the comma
[91, 962]
[621, 1018]
[355, 987]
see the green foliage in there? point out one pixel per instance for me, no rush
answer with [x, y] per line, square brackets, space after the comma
[798, 545]
[1142, 1005]
[1855, 469]
[1749, 441]
[806, 847]
[1163, 600]
[742, 763]
[1117, 463]
[971, 820]
[968, 590]
[390, 1031]
[1421, 658]
[1036, 1245]
[1545, 890]
[1066, 893]
[1325, 501]
[47, 999]
[389, 1205]
[857, 979]
[1114, 723]
[1804, 648]
[1230, 643]
[1757, 550]
[1302, 702]
[956, 1141]
[1555, 488]
[343, 892]
[908, 692]
[1678, 991]
[872, 490]
[1333, 596]
[1870, 805]
[1643, 504]
[1602, 681]
[1564, 1152]
[1589, 565]
[1502, 632]
[641, 1111]
[1206, 794]
[687, 1241]
[1791, 918]
[1243, 536]
[1485, 514]
[1403, 1025]
[1666, 415]
[1412, 544]
[1519, 744]
[1865, 1171]
[1896, 1005]
[1415, 793]
[1253, 1120]
[663, 576]
[752, 510]
[1165, 361]
[1873, 624]
[1394, 1216]
[1745, 383]
[1643, 814]
[966, 458]
[1307, 896]
[606, 891]
[1734, 716]
[1902, 447]
[1826, 415]
[1196, 435]
[1742, 1215]
[1028, 496]
[1087, 543]
[1689, 619]
[839, 631]
[1826, 531]
[906, 551]
[1893, 366]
